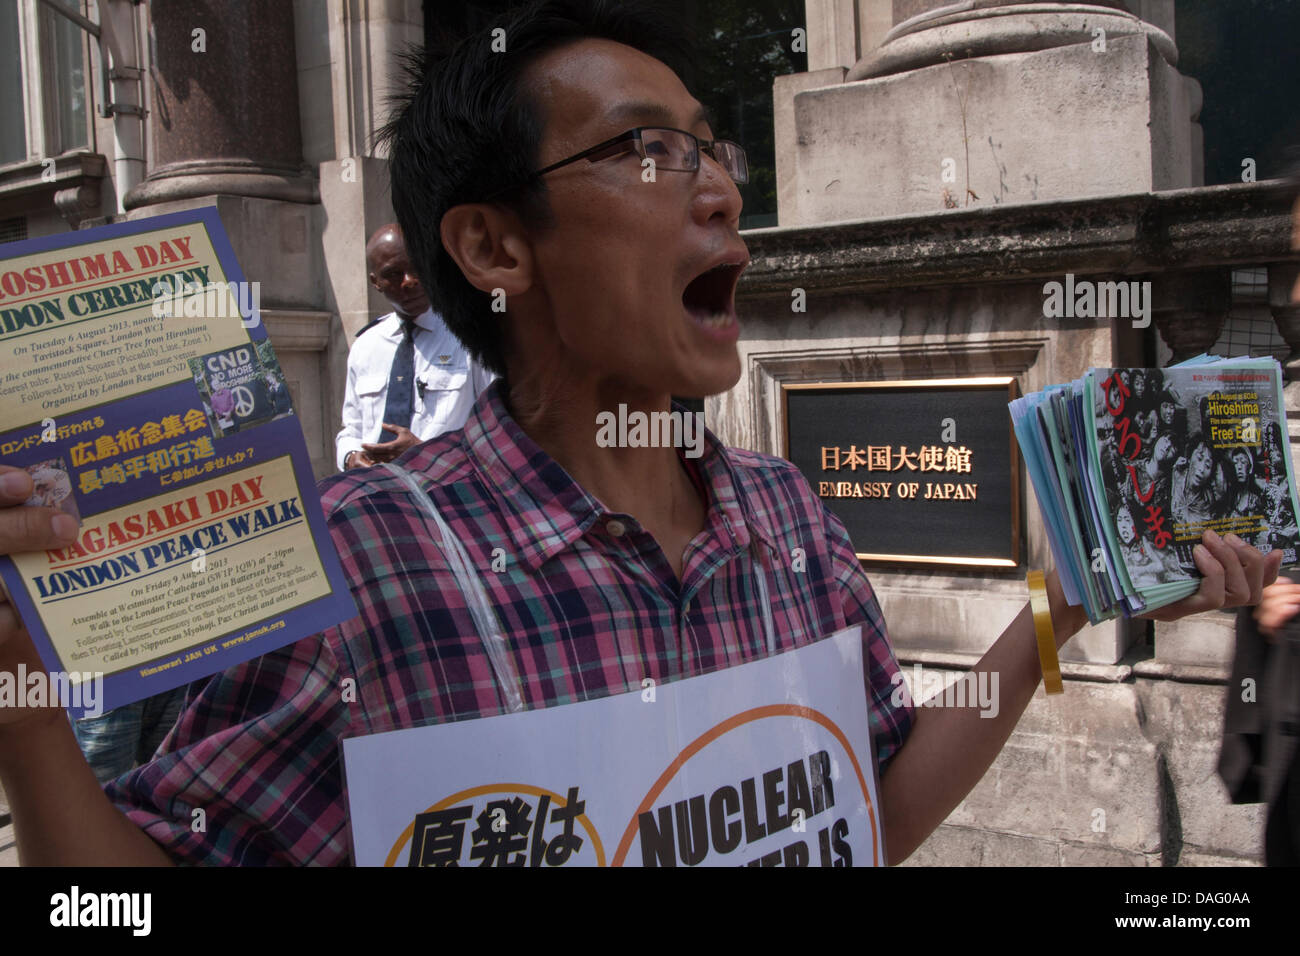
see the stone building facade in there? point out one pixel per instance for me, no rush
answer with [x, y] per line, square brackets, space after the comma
[1068, 156]
[265, 111]
[1076, 150]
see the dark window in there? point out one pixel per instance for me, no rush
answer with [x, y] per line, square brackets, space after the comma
[742, 46]
[13, 230]
[1243, 54]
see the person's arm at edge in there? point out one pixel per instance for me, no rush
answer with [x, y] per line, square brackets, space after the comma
[61, 815]
[949, 750]
[349, 437]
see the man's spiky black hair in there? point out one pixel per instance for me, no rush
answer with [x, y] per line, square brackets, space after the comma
[466, 128]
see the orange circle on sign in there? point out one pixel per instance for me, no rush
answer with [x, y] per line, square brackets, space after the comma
[731, 723]
[409, 832]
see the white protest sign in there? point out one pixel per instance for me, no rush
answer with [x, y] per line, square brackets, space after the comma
[768, 763]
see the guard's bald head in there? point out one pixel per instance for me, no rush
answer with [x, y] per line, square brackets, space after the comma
[384, 239]
[391, 272]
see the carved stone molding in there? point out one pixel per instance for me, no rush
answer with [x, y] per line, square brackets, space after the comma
[1247, 223]
[78, 202]
[69, 182]
[293, 330]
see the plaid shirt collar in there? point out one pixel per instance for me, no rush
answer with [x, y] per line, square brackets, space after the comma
[547, 511]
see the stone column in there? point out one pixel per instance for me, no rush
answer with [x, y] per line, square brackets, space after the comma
[928, 32]
[365, 40]
[224, 116]
[224, 131]
[986, 102]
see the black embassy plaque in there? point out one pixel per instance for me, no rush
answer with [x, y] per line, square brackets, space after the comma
[920, 472]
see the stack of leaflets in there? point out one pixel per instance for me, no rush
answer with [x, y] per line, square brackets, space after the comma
[1132, 465]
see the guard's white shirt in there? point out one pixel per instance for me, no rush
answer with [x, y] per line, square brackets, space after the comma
[451, 382]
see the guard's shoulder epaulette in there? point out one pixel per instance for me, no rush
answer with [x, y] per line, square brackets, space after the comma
[368, 326]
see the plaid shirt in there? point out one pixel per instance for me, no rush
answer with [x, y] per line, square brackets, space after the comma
[588, 602]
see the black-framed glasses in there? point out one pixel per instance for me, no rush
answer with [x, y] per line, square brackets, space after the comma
[674, 150]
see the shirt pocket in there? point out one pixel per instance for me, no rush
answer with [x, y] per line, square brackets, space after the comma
[442, 388]
[371, 392]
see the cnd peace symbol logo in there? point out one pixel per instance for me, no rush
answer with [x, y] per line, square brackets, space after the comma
[244, 401]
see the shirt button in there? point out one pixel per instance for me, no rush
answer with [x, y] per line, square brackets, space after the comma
[616, 528]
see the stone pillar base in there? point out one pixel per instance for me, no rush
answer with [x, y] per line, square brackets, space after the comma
[979, 132]
[1002, 26]
[205, 178]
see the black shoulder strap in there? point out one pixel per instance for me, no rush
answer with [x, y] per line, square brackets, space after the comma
[368, 326]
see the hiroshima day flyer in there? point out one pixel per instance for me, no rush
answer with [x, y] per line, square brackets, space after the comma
[138, 388]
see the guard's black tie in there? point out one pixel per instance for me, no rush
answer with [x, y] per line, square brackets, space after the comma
[401, 384]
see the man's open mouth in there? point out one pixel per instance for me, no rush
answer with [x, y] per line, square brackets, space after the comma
[710, 296]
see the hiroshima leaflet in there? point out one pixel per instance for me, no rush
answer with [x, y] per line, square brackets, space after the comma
[769, 763]
[139, 390]
[1131, 466]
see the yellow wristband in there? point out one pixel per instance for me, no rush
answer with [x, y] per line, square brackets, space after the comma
[1046, 634]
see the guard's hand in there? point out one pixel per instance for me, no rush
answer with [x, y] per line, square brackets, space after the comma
[1280, 602]
[391, 450]
[1235, 575]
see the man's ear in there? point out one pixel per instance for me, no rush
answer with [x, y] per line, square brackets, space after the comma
[490, 246]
